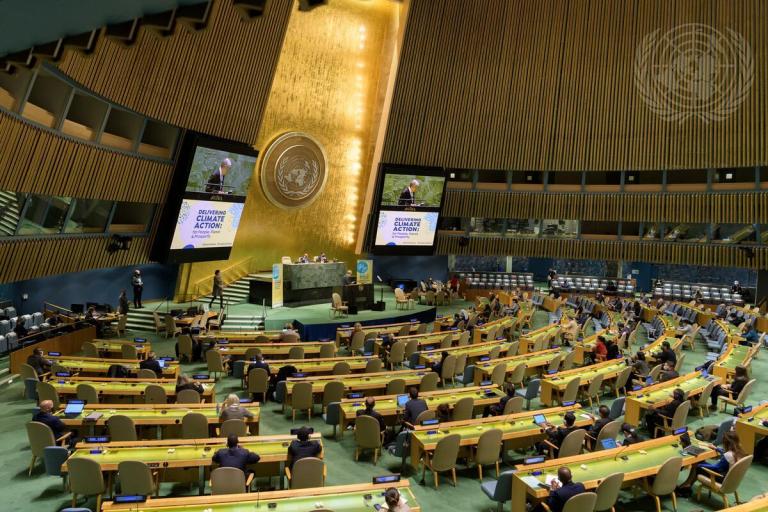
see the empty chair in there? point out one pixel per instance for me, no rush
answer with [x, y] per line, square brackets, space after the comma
[258, 382]
[170, 327]
[593, 390]
[194, 425]
[570, 446]
[513, 405]
[146, 373]
[46, 391]
[665, 482]
[617, 408]
[85, 479]
[332, 415]
[395, 387]
[301, 399]
[357, 342]
[368, 436]
[129, 351]
[333, 391]
[608, 492]
[443, 458]
[136, 478]
[448, 369]
[341, 368]
[702, 401]
[374, 366]
[518, 375]
[230, 481]
[234, 426]
[463, 409]
[411, 347]
[89, 349]
[87, 393]
[447, 341]
[730, 483]
[396, 354]
[187, 396]
[499, 490]
[487, 451]
[499, 374]
[296, 353]
[579, 503]
[53, 458]
[530, 393]
[121, 428]
[568, 361]
[494, 352]
[327, 350]
[155, 394]
[571, 390]
[621, 380]
[554, 364]
[467, 378]
[464, 338]
[40, 436]
[306, 473]
[186, 353]
[429, 382]
[215, 363]
[251, 353]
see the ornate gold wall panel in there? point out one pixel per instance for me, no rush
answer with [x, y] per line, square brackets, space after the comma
[27, 259]
[327, 85]
[675, 253]
[38, 161]
[549, 84]
[216, 81]
[741, 208]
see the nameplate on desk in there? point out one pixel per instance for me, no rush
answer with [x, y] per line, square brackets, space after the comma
[222, 342]
[139, 340]
[54, 353]
[386, 479]
[97, 439]
[568, 404]
[130, 498]
[202, 376]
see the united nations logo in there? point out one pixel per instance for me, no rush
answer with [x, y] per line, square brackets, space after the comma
[293, 170]
[694, 71]
[362, 267]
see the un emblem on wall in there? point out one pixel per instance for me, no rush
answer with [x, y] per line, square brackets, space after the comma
[694, 71]
[293, 170]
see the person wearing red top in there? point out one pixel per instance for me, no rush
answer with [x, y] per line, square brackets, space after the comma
[601, 351]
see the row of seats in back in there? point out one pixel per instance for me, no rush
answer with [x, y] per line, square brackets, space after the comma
[32, 324]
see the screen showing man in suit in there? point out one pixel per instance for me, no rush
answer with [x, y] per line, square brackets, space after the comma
[409, 190]
[215, 171]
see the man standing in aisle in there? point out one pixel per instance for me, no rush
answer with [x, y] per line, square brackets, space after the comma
[218, 289]
[138, 287]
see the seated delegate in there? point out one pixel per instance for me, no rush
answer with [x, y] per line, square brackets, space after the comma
[235, 456]
[303, 447]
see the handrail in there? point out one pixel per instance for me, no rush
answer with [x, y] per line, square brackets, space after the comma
[203, 286]
[62, 308]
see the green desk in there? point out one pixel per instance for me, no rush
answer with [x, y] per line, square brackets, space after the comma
[340, 498]
[368, 382]
[114, 348]
[518, 430]
[642, 460]
[423, 340]
[533, 360]
[387, 405]
[271, 350]
[116, 389]
[661, 394]
[319, 366]
[750, 427]
[183, 454]
[164, 416]
[557, 382]
[735, 355]
[100, 366]
[473, 352]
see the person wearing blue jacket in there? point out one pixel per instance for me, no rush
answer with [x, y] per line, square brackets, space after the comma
[730, 453]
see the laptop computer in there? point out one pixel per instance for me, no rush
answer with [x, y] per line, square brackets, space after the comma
[74, 408]
[402, 400]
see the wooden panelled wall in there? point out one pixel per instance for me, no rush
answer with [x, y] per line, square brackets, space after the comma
[741, 208]
[38, 161]
[24, 258]
[674, 253]
[549, 84]
[216, 81]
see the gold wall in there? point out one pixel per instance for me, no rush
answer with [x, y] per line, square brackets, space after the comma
[549, 84]
[328, 83]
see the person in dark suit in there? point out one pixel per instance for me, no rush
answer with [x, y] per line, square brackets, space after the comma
[498, 409]
[668, 372]
[349, 278]
[46, 416]
[151, 363]
[302, 447]
[561, 490]
[630, 435]
[556, 435]
[654, 415]
[218, 289]
[258, 362]
[370, 404]
[733, 389]
[122, 303]
[38, 362]
[604, 419]
[215, 182]
[235, 456]
[138, 287]
[184, 382]
[666, 354]
[408, 195]
[413, 407]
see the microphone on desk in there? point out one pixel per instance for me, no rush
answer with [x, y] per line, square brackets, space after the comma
[379, 278]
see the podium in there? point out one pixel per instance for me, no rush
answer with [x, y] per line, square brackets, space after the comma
[357, 296]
